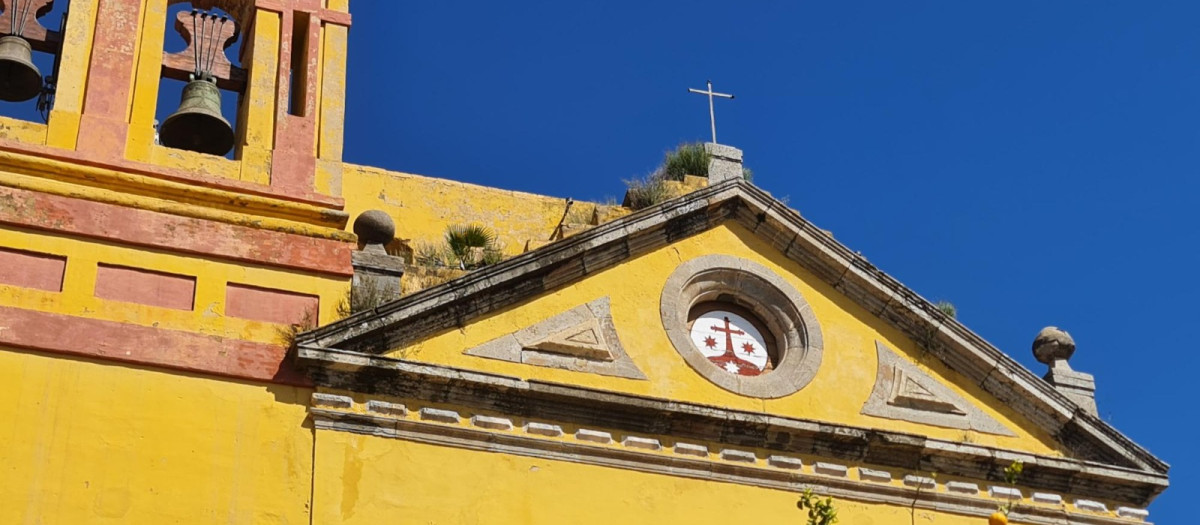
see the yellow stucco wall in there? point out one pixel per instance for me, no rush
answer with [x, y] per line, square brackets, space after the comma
[837, 393]
[88, 442]
[424, 206]
[369, 480]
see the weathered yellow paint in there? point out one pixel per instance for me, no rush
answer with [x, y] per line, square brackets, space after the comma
[22, 131]
[424, 206]
[72, 75]
[837, 393]
[257, 117]
[331, 118]
[147, 70]
[104, 443]
[366, 479]
[189, 161]
[208, 314]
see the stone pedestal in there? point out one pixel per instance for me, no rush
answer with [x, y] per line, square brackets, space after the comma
[1054, 346]
[726, 162]
[376, 278]
[1079, 386]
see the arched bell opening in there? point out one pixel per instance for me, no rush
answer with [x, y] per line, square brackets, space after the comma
[202, 82]
[30, 47]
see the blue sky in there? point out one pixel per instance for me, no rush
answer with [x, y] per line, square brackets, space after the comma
[1033, 162]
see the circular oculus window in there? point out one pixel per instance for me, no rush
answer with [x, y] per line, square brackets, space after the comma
[741, 326]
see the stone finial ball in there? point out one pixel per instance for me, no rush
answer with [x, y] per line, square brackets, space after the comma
[374, 227]
[1052, 344]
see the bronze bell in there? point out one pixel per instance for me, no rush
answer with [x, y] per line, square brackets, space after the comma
[198, 125]
[19, 78]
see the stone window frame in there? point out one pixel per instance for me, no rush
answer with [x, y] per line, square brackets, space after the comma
[776, 303]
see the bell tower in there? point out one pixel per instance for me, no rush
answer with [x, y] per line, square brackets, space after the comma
[210, 216]
[279, 65]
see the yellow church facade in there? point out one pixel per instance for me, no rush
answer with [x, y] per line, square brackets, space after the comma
[258, 338]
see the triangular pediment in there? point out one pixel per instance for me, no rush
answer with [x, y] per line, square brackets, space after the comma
[591, 313]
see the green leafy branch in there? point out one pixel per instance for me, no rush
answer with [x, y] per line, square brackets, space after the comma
[820, 511]
[1011, 474]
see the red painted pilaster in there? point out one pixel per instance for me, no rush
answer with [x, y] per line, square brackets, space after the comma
[105, 122]
[294, 160]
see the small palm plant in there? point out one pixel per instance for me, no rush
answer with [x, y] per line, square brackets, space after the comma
[463, 247]
[472, 246]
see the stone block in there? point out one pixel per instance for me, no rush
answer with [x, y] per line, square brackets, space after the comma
[595, 436]
[786, 462]
[494, 423]
[642, 443]
[732, 454]
[920, 481]
[331, 400]
[725, 164]
[387, 409]
[1130, 512]
[543, 429]
[831, 469]
[880, 476]
[1046, 497]
[1000, 491]
[962, 487]
[1090, 505]
[436, 414]
[689, 449]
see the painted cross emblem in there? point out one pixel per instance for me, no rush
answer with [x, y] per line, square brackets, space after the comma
[730, 342]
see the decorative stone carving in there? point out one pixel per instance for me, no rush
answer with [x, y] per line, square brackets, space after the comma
[904, 392]
[1054, 346]
[772, 300]
[582, 339]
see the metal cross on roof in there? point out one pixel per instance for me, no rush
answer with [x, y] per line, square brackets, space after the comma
[712, 116]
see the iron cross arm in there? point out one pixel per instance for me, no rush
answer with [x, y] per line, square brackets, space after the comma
[712, 116]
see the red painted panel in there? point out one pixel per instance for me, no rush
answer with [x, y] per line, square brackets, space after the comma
[134, 285]
[130, 343]
[273, 306]
[32, 270]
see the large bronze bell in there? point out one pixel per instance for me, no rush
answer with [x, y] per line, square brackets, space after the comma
[198, 125]
[19, 78]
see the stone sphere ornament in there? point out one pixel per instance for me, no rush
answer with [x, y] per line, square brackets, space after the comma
[374, 227]
[1053, 344]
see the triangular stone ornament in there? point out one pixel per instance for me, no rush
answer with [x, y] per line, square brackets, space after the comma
[904, 392]
[582, 339]
[908, 391]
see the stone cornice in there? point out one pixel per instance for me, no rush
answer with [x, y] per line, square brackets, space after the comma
[455, 303]
[690, 460]
[376, 375]
[144, 186]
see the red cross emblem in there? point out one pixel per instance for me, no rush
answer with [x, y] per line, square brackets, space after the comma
[743, 355]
